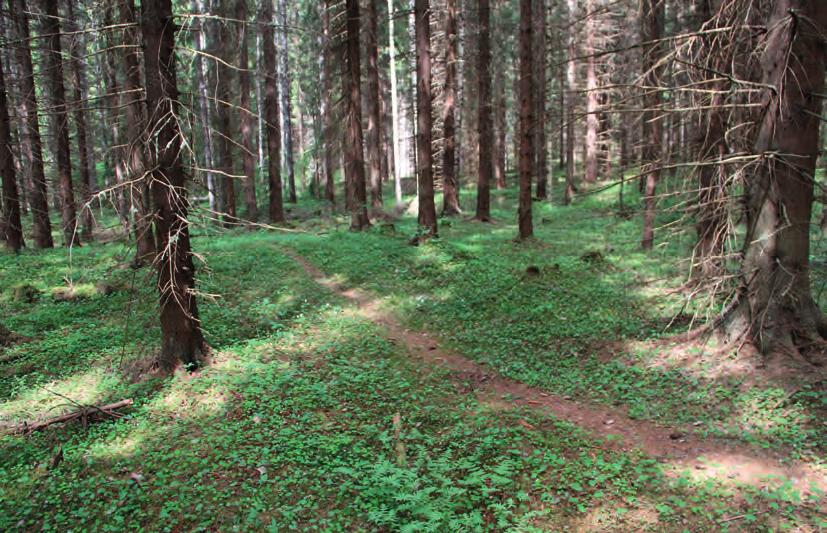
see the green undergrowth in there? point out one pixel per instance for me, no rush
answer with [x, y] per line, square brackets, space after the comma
[562, 312]
[306, 418]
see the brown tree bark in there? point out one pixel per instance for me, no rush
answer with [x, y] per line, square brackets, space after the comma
[424, 159]
[500, 129]
[57, 92]
[540, 149]
[592, 96]
[285, 103]
[271, 113]
[571, 88]
[777, 310]
[353, 142]
[327, 108]
[526, 163]
[134, 152]
[450, 194]
[248, 157]
[223, 115]
[374, 152]
[77, 51]
[651, 18]
[113, 57]
[11, 227]
[181, 337]
[32, 145]
[484, 120]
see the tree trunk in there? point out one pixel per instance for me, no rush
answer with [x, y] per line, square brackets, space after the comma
[222, 50]
[32, 144]
[285, 102]
[425, 176]
[374, 148]
[571, 88]
[181, 338]
[113, 105]
[327, 108]
[486, 135]
[271, 113]
[77, 50]
[248, 157]
[397, 158]
[450, 194]
[592, 120]
[651, 17]
[11, 227]
[500, 129]
[777, 310]
[135, 164]
[540, 148]
[353, 142]
[57, 91]
[204, 106]
[526, 120]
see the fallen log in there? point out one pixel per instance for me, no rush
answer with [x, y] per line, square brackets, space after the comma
[85, 415]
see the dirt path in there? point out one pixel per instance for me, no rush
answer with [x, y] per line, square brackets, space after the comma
[678, 449]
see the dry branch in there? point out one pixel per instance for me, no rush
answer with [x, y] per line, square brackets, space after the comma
[86, 414]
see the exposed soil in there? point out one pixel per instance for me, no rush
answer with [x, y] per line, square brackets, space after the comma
[678, 448]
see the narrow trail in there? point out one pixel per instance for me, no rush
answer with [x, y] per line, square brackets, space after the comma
[677, 448]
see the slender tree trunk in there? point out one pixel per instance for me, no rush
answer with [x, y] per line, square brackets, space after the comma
[11, 228]
[134, 154]
[327, 109]
[374, 152]
[285, 101]
[271, 113]
[32, 144]
[592, 97]
[486, 135]
[540, 140]
[204, 106]
[181, 338]
[353, 142]
[526, 120]
[777, 310]
[450, 179]
[57, 91]
[652, 12]
[77, 50]
[425, 176]
[500, 129]
[248, 157]
[113, 104]
[571, 88]
[259, 101]
[222, 50]
[397, 159]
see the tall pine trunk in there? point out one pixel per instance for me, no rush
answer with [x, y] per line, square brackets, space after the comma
[271, 113]
[424, 154]
[450, 195]
[485, 121]
[32, 144]
[285, 103]
[248, 157]
[374, 141]
[77, 51]
[204, 106]
[181, 338]
[134, 153]
[353, 141]
[327, 108]
[526, 163]
[777, 310]
[57, 92]
[540, 140]
[571, 88]
[11, 227]
[651, 18]
[222, 50]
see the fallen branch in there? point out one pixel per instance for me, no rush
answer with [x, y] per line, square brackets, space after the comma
[84, 414]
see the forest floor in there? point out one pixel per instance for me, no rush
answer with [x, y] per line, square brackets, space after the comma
[360, 383]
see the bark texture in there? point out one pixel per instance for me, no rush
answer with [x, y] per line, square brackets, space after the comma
[424, 154]
[450, 194]
[526, 92]
[11, 228]
[651, 16]
[374, 141]
[776, 308]
[484, 120]
[271, 113]
[248, 156]
[181, 338]
[353, 141]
